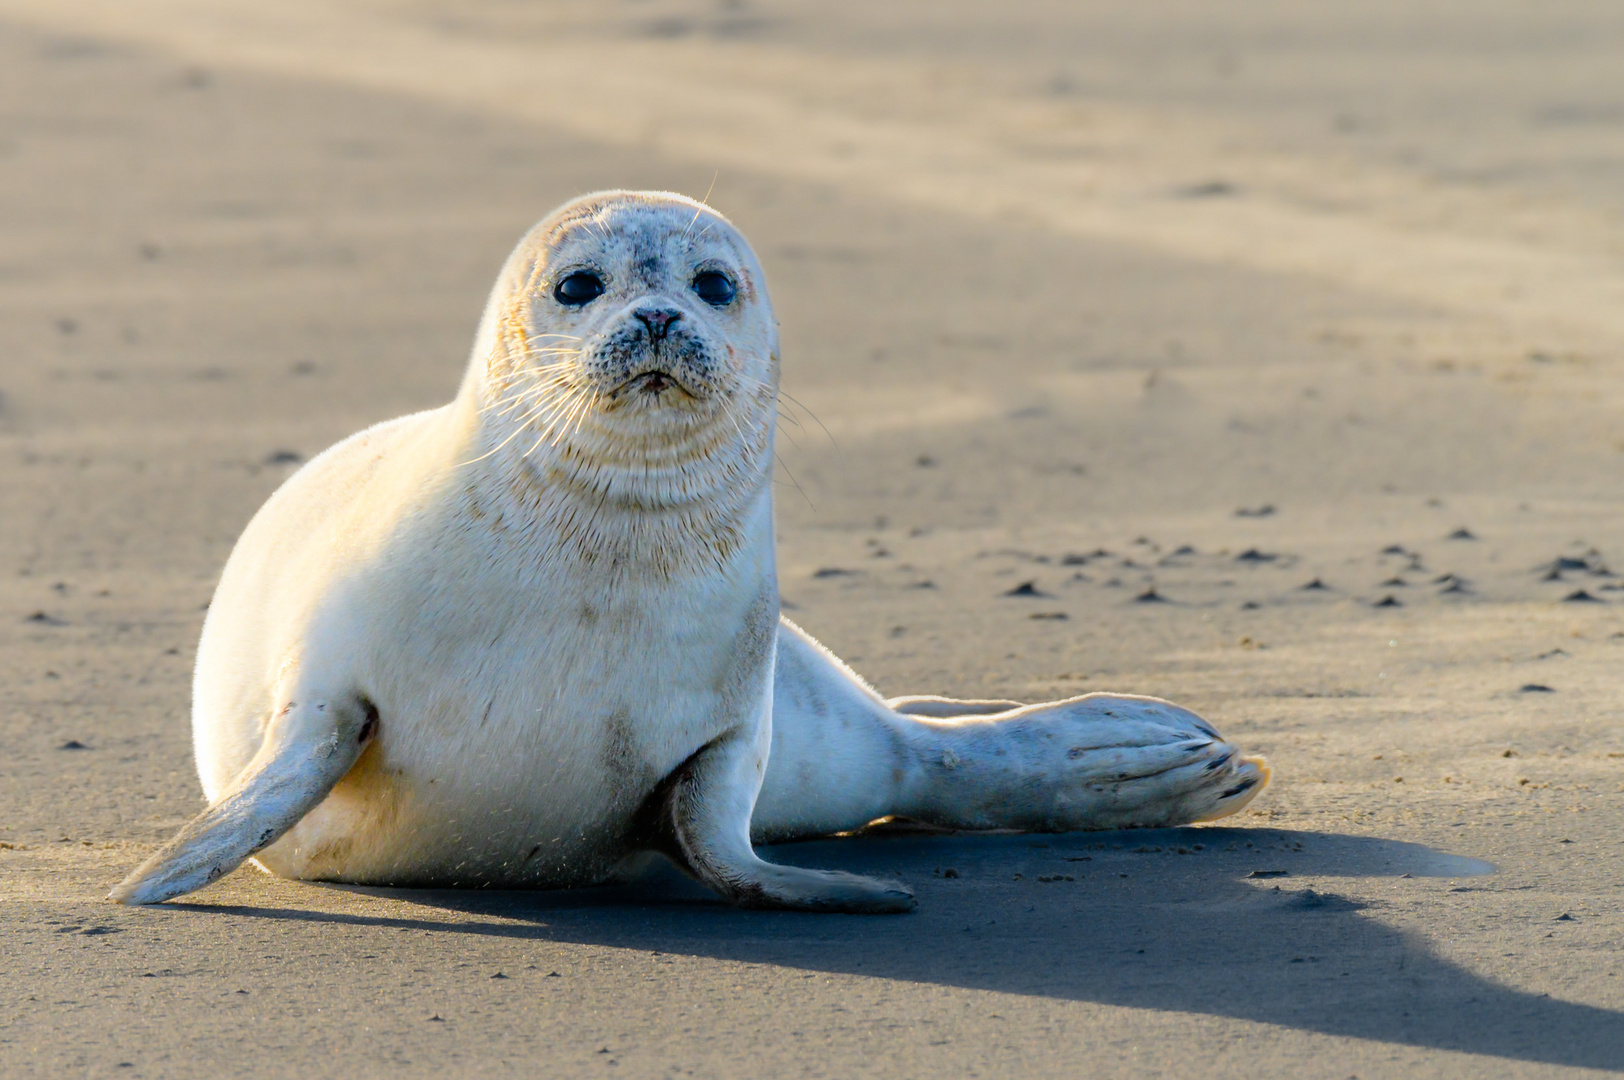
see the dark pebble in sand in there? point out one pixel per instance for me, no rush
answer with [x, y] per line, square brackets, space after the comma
[1579, 596]
[1314, 585]
[1591, 565]
[1535, 688]
[283, 457]
[1394, 549]
[1268, 873]
[1395, 583]
[1456, 586]
[73, 744]
[833, 571]
[1266, 510]
[1056, 616]
[1388, 601]
[1209, 189]
[1026, 588]
[1150, 596]
[1251, 605]
[1461, 533]
[1312, 900]
[45, 620]
[1253, 555]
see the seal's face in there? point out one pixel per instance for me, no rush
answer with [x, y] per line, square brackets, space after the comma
[653, 311]
[639, 340]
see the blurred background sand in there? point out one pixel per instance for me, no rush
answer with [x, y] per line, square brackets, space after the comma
[1275, 345]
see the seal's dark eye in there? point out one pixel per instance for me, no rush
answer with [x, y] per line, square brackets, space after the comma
[713, 287]
[579, 288]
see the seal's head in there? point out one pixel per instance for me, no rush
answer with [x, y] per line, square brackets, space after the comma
[630, 350]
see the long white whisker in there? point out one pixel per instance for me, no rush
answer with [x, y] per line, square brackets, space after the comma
[802, 406]
[780, 459]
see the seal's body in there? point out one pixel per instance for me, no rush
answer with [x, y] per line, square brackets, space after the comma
[520, 639]
[528, 703]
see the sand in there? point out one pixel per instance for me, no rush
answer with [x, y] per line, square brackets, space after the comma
[1275, 345]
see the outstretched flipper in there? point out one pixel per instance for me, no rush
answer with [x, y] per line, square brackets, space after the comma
[843, 756]
[1102, 761]
[309, 746]
[944, 707]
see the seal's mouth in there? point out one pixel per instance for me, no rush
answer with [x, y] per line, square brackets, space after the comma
[653, 384]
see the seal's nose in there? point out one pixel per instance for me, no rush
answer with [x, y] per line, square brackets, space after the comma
[657, 319]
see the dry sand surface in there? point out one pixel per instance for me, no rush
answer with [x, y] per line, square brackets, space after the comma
[1276, 345]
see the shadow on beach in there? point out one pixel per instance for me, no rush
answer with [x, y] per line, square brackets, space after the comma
[1185, 920]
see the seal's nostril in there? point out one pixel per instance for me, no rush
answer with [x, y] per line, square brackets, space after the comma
[658, 320]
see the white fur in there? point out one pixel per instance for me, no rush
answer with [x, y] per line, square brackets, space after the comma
[522, 638]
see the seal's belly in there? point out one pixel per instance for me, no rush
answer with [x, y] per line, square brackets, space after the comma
[525, 766]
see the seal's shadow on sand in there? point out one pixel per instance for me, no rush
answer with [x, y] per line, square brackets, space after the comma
[1147, 921]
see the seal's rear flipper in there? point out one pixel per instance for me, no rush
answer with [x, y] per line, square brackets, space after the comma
[308, 748]
[1100, 761]
[944, 707]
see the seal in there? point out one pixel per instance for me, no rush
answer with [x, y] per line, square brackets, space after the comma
[525, 639]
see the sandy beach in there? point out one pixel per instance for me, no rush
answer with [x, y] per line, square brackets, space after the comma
[1262, 357]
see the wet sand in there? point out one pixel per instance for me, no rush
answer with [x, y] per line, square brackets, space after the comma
[1262, 358]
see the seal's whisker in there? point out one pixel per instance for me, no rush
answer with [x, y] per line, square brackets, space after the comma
[561, 412]
[543, 344]
[530, 371]
[517, 396]
[733, 417]
[540, 391]
[557, 400]
[582, 409]
[780, 459]
[802, 406]
[516, 429]
[578, 405]
[546, 403]
[539, 386]
[704, 204]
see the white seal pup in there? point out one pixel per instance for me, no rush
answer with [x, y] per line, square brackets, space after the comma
[522, 639]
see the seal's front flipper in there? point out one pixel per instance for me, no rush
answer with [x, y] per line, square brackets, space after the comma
[700, 817]
[309, 746]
